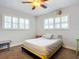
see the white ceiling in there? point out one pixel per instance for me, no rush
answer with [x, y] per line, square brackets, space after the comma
[52, 5]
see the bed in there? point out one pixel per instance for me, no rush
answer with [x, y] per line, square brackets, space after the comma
[42, 47]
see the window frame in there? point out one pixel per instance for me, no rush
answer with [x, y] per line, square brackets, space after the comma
[60, 23]
[48, 23]
[15, 23]
[3, 23]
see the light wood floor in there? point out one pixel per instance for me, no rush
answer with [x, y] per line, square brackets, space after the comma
[16, 53]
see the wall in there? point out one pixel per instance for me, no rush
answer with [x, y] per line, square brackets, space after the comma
[16, 36]
[69, 35]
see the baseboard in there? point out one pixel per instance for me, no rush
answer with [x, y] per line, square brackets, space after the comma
[15, 44]
[68, 47]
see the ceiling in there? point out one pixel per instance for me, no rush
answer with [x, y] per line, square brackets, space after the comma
[27, 8]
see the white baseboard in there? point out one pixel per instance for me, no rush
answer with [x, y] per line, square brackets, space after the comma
[68, 47]
[15, 44]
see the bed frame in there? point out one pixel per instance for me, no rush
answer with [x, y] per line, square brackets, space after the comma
[54, 50]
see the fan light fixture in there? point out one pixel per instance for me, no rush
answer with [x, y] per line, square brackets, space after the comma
[37, 3]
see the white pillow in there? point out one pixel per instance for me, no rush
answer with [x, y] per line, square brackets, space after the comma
[60, 36]
[57, 36]
[54, 36]
[47, 36]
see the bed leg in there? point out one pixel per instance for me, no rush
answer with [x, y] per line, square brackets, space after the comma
[44, 58]
[22, 49]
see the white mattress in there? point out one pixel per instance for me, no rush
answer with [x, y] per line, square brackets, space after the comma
[41, 45]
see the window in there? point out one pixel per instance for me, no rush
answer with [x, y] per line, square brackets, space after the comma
[48, 23]
[15, 23]
[7, 22]
[64, 22]
[51, 20]
[21, 23]
[26, 24]
[56, 23]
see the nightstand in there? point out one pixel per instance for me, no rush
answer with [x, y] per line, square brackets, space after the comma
[77, 47]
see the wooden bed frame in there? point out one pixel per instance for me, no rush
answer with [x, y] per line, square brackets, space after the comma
[54, 50]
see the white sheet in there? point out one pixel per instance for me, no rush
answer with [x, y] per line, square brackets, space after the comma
[42, 42]
[41, 45]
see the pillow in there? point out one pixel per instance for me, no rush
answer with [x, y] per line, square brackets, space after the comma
[47, 36]
[57, 36]
[54, 36]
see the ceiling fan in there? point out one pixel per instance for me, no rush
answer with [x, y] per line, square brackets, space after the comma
[37, 3]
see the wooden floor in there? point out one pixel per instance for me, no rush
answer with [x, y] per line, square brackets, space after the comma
[16, 53]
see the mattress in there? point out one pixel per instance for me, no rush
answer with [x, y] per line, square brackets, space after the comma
[42, 46]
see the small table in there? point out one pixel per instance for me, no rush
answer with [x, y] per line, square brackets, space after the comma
[4, 43]
[77, 47]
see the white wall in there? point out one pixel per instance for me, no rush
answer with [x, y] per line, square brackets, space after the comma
[69, 35]
[16, 36]
[36, 26]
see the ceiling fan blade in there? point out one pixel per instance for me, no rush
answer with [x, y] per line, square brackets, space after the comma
[26, 2]
[43, 6]
[45, 0]
[33, 7]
